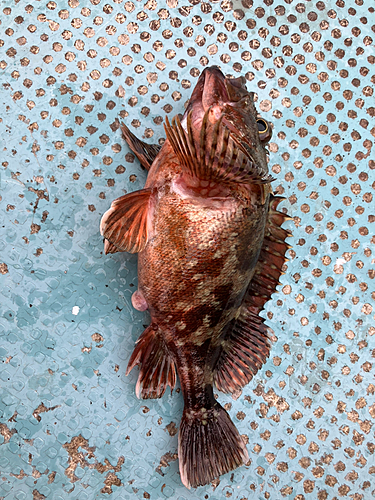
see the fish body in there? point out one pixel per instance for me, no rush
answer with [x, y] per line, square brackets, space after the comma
[210, 254]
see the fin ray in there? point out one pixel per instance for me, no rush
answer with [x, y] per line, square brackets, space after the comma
[209, 445]
[124, 225]
[157, 368]
[221, 161]
[146, 153]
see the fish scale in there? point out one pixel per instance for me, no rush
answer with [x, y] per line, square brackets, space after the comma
[211, 249]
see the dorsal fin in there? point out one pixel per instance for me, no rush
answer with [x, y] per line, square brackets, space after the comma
[146, 153]
[220, 158]
[246, 347]
[124, 225]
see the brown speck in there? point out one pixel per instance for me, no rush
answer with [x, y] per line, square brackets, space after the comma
[42, 409]
[14, 416]
[51, 477]
[21, 475]
[80, 452]
[34, 228]
[110, 480]
[172, 429]
[6, 432]
[37, 495]
[96, 337]
[3, 268]
[165, 461]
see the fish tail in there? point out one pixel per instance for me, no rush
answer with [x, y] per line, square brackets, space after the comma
[209, 445]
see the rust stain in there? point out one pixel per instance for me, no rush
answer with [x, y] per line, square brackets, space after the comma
[42, 408]
[6, 432]
[165, 461]
[80, 458]
[172, 429]
[37, 495]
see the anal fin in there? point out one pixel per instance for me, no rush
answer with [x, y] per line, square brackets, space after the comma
[124, 225]
[157, 368]
[247, 345]
[146, 153]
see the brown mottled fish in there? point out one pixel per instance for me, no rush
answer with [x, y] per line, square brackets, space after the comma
[211, 249]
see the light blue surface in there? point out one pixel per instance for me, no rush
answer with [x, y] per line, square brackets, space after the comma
[67, 326]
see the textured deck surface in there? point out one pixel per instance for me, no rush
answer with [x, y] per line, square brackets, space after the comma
[70, 424]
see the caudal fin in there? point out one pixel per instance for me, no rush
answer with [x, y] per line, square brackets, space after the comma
[209, 445]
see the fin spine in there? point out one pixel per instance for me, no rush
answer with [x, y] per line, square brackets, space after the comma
[230, 163]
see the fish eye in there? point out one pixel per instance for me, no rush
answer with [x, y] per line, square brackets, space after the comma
[262, 125]
[265, 130]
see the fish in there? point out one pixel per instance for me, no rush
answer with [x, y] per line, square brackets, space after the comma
[210, 253]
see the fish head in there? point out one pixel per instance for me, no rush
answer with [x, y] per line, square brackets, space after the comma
[228, 99]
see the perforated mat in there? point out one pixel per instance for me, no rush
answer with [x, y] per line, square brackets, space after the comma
[70, 424]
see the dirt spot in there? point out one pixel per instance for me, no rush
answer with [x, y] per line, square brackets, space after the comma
[6, 432]
[37, 495]
[272, 399]
[3, 268]
[42, 409]
[21, 475]
[110, 480]
[172, 429]
[96, 337]
[41, 194]
[51, 477]
[80, 453]
[34, 228]
[165, 461]
[13, 417]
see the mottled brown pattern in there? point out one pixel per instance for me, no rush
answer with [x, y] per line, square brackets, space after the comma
[207, 212]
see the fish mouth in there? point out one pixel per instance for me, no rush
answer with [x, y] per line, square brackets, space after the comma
[214, 88]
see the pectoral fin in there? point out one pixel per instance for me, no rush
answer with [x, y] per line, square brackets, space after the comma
[146, 153]
[109, 248]
[246, 347]
[124, 225]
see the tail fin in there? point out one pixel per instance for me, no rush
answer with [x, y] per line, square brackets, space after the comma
[209, 445]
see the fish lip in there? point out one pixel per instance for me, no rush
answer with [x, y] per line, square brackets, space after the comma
[213, 88]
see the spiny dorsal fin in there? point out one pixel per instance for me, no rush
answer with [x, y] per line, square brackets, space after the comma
[146, 153]
[124, 225]
[220, 158]
[247, 346]
[157, 368]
